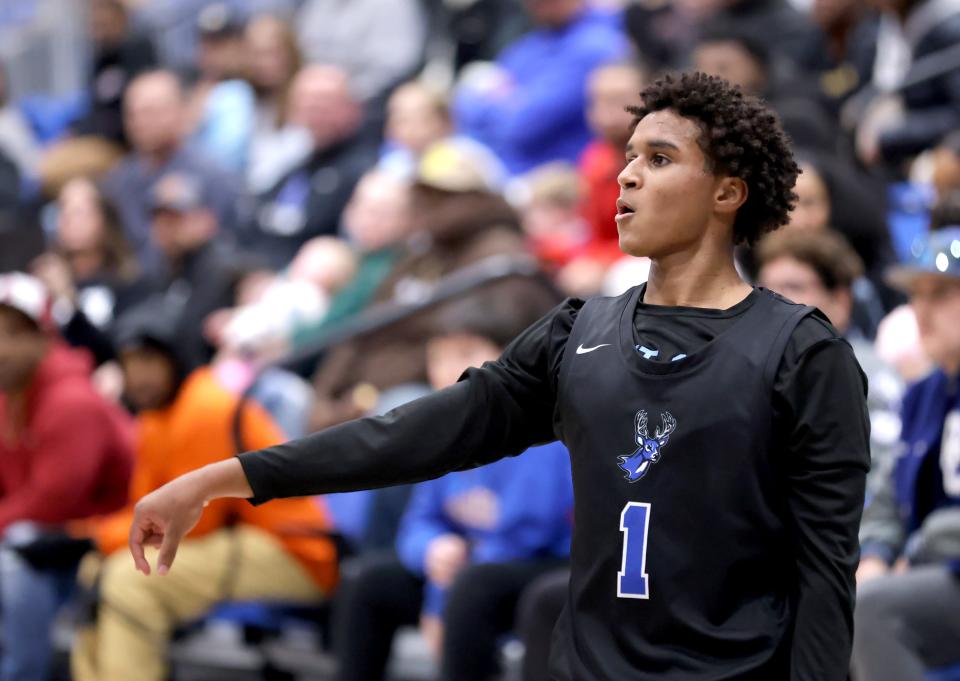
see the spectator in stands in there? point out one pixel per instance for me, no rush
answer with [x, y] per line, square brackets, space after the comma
[550, 213]
[461, 219]
[850, 35]
[480, 30]
[916, 104]
[833, 194]
[780, 27]
[186, 420]
[529, 109]
[18, 142]
[378, 45]
[201, 271]
[21, 236]
[377, 221]
[726, 50]
[898, 337]
[820, 270]
[239, 362]
[91, 272]
[65, 454]
[468, 543]
[308, 199]
[272, 60]
[739, 58]
[221, 104]
[946, 164]
[610, 89]
[908, 597]
[898, 344]
[155, 116]
[263, 326]
[119, 54]
[173, 25]
[417, 116]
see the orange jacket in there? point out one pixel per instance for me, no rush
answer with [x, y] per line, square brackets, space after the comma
[197, 430]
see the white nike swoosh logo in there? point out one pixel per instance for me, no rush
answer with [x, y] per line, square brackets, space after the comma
[582, 350]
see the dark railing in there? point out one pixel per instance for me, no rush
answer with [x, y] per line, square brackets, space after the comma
[382, 315]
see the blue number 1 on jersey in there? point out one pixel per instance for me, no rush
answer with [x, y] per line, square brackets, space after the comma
[632, 578]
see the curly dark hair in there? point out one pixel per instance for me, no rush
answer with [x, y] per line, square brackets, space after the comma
[740, 136]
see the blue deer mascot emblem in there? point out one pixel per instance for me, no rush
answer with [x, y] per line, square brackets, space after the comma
[637, 464]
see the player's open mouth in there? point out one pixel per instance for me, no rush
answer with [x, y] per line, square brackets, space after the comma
[624, 210]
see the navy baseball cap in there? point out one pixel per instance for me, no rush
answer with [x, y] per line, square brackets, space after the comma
[937, 254]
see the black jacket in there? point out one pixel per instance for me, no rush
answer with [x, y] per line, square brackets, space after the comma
[932, 105]
[308, 200]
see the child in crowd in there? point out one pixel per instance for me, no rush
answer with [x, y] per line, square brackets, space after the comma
[185, 420]
[301, 295]
[417, 116]
[550, 201]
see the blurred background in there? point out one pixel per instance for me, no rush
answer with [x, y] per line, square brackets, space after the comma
[225, 224]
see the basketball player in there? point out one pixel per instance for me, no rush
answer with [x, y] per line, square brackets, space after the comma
[718, 432]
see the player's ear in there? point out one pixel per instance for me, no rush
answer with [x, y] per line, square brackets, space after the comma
[730, 195]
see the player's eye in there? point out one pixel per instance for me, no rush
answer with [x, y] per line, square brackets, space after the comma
[658, 160]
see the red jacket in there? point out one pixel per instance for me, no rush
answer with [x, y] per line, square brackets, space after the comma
[600, 165]
[73, 455]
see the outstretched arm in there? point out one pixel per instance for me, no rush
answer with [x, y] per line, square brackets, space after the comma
[496, 411]
[166, 515]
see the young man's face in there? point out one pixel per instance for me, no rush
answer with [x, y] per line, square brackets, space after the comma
[800, 283]
[667, 193]
[21, 348]
[936, 304]
[150, 377]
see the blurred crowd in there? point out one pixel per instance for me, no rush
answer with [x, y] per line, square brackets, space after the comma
[266, 217]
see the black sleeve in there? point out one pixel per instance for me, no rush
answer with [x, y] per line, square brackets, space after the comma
[820, 400]
[498, 410]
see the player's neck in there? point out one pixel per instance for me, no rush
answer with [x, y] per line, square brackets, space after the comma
[695, 280]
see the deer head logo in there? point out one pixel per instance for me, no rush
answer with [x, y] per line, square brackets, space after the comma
[637, 464]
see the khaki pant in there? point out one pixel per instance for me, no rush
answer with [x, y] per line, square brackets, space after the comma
[137, 614]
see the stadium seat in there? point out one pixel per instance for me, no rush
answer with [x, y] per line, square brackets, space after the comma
[255, 639]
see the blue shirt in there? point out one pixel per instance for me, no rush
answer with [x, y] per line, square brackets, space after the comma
[518, 508]
[541, 117]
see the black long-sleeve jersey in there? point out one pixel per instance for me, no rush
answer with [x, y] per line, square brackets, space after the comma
[718, 491]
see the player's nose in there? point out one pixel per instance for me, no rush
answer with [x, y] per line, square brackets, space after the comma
[629, 177]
